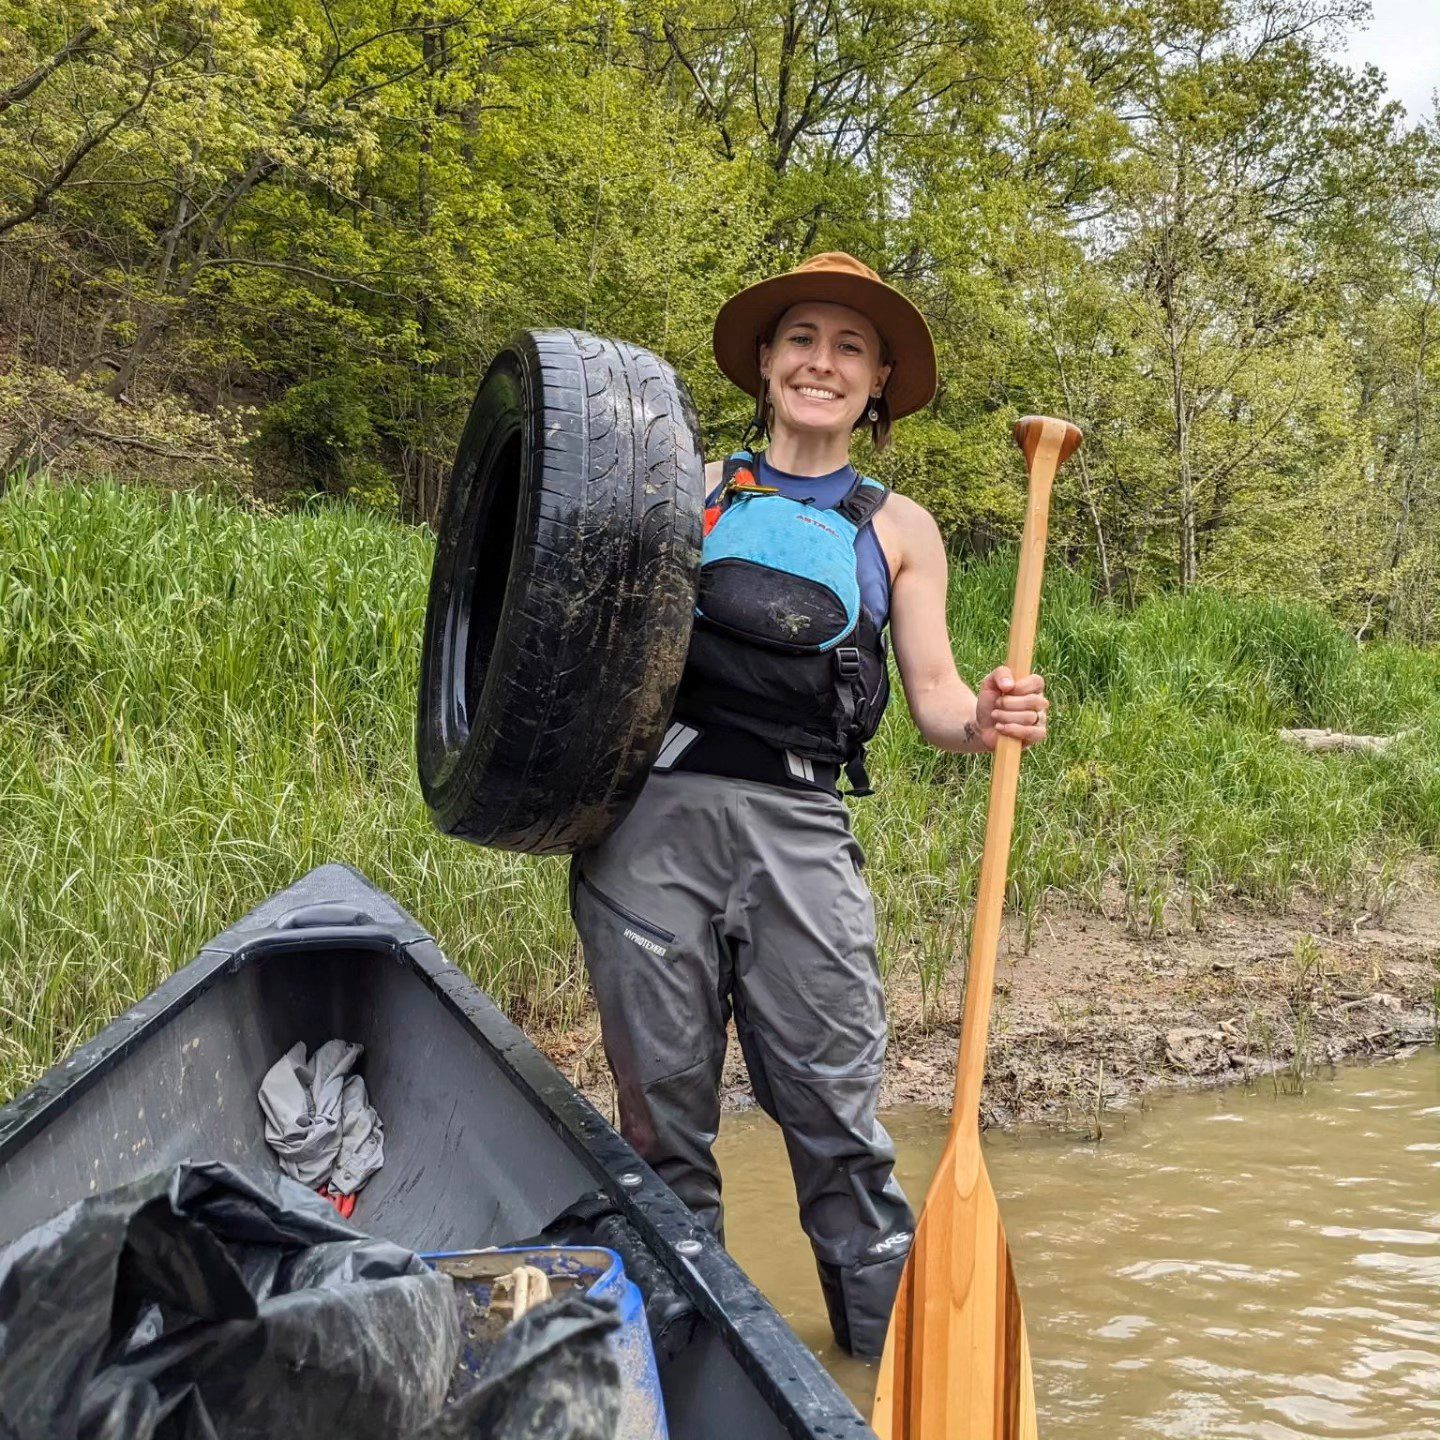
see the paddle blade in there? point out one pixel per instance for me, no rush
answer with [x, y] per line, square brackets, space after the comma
[957, 1360]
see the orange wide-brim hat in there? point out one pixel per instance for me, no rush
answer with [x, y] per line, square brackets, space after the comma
[745, 319]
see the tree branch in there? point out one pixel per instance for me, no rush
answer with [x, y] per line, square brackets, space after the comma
[71, 50]
[225, 261]
[43, 196]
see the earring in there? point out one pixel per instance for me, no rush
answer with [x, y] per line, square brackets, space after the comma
[873, 415]
[759, 425]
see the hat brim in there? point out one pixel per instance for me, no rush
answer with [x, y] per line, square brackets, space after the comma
[745, 317]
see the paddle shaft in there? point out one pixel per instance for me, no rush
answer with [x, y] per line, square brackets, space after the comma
[1043, 446]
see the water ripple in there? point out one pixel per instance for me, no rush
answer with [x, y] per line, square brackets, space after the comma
[1275, 1277]
[1233, 1266]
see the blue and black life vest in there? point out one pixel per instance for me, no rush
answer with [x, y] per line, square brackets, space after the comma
[783, 648]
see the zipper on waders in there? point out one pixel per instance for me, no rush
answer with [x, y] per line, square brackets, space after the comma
[629, 916]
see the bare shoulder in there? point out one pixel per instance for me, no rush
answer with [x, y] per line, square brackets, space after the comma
[910, 514]
[907, 531]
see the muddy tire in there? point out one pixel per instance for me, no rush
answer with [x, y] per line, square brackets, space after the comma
[562, 594]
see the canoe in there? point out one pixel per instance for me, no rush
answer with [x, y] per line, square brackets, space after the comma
[485, 1141]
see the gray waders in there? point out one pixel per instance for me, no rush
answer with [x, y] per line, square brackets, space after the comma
[718, 896]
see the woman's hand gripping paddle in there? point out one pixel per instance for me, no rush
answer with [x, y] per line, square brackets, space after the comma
[957, 1363]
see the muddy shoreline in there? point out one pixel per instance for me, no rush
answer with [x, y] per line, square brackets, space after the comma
[1093, 1017]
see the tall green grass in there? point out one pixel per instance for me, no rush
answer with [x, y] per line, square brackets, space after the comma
[198, 704]
[1165, 783]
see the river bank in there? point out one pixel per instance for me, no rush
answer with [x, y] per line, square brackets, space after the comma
[1093, 1017]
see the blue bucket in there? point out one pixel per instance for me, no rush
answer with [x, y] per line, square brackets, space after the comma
[599, 1274]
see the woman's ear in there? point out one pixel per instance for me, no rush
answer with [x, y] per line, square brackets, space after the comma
[765, 351]
[883, 377]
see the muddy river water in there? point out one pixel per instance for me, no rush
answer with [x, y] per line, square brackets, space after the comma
[1232, 1264]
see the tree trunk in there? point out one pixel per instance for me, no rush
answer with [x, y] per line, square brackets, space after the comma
[422, 505]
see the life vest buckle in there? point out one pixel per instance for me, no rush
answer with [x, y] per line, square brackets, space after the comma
[746, 487]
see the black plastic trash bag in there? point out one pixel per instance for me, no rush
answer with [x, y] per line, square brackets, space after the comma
[551, 1376]
[203, 1304]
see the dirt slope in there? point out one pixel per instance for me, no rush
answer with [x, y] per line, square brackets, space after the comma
[1093, 1016]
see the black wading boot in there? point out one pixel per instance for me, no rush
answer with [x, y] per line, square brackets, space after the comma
[859, 1298]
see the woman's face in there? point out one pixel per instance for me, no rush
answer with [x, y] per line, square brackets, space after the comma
[825, 365]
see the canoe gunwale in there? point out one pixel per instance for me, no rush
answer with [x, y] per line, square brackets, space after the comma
[791, 1380]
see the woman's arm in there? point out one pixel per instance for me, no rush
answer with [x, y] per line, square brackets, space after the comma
[947, 712]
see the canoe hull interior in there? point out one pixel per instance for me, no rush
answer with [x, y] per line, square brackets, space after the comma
[485, 1143]
[463, 1168]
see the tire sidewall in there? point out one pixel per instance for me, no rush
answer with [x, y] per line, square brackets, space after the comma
[566, 568]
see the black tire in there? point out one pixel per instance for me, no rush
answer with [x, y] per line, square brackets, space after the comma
[562, 595]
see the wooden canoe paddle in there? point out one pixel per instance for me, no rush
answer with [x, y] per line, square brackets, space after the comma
[957, 1361]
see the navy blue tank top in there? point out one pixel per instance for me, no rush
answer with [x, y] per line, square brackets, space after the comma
[827, 491]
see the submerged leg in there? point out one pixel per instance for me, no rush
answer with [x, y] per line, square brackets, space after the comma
[810, 1011]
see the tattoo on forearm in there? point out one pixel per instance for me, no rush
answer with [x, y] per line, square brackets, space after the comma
[972, 732]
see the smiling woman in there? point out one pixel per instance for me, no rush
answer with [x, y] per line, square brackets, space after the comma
[735, 885]
[820, 361]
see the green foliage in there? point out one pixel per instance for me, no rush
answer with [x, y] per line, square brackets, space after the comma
[1164, 787]
[1189, 227]
[323, 423]
[196, 705]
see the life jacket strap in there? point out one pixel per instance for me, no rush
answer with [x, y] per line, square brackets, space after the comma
[737, 478]
[865, 498]
[851, 684]
[725, 750]
[679, 738]
[858, 775]
[740, 475]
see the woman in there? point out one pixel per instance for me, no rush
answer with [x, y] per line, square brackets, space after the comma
[734, 884]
